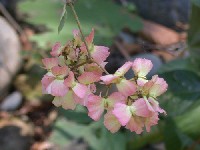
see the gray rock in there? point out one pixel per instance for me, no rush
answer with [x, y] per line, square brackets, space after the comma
[159, 146]
[127, 38]
[12, 102]
[10, 54]
[157, 63]
[11, 139]
[166, 12]
[77, 144]
[11, 6]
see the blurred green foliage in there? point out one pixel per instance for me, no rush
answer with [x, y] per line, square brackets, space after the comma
[93, 134]
[184, 84]
[105, 16]
[179, 130]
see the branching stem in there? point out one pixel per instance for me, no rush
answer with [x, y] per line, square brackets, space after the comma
[81, 64]
[82, 35]
[108, 88]
[79, 26]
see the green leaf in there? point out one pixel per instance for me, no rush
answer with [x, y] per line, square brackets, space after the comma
[194, 31]
[175, 139]
[65, 131]
[79, 115]
[170, 103]
[179, 64]
[107, 17]
[139, 141]
[110, 141]
[188, 123]
[196, 2]
[95, 134]
[63, 18]
[184, 84]
[188, 141]
[130, 6]
[171, 138]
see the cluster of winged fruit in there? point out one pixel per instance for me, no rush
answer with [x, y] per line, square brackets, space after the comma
[74, 70]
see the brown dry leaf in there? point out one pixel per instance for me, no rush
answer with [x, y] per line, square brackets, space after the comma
[42, 146]
[159, 34]
[183, 36]
[4, 115]
[132, 48]
[182, 26]
[24, 37]
[30, 87]
[165, 55]
[26, 128]
[51, 118]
